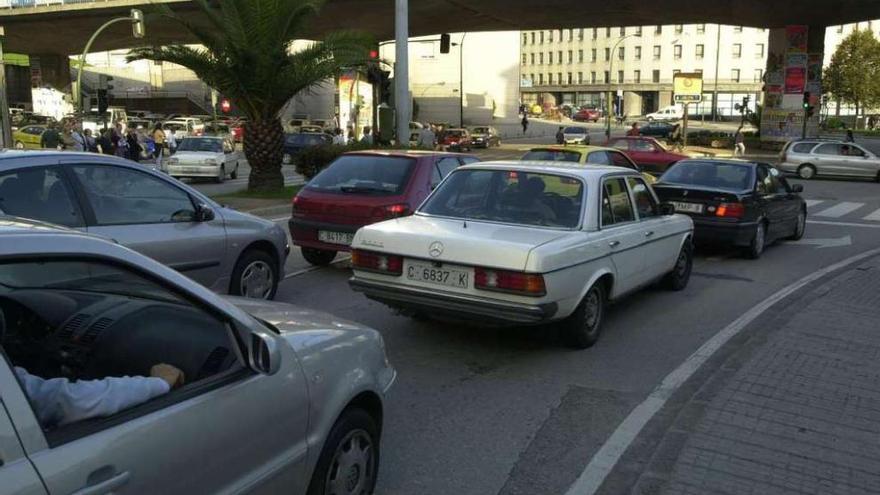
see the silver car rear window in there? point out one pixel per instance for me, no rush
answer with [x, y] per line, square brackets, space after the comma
[803, 147]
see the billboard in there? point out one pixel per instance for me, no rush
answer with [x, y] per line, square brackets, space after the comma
[687, 87]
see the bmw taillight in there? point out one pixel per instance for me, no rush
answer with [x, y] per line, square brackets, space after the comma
[372, 261]
[527, 284]
[391, 211]
[730, 210]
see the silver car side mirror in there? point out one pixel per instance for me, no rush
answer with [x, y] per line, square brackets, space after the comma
[264, 356]
[204, 213]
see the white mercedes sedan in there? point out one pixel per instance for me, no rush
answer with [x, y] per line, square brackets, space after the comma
[214, 157]
[526, 243]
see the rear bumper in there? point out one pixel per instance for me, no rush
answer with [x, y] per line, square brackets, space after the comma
[717, 232]
[304, 233]
[453, 305]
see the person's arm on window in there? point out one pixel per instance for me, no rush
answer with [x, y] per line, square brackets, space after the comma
[59, 401]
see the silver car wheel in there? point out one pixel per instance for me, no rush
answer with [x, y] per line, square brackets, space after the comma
[352, 465]
[593, 307]
[256, 280]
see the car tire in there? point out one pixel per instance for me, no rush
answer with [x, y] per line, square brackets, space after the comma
[806, 171]
[680, 275]
[800, 226]
[255, 275]
[650, 119]
[759, 241]
[234, 174]
[355, 429]
[582, 328]
[318, 257]
[877, 179]
[19, 145]
[221, 177]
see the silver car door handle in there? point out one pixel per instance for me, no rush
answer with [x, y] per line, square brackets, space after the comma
[106, 486]
[614, 244]
[649, 233]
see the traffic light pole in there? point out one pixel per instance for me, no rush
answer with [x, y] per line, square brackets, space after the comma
[5, 125]
[402, 100]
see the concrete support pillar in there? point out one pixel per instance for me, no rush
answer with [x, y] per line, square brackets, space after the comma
[794, 67]
[51, 70]
[632, 103]
[402, 100]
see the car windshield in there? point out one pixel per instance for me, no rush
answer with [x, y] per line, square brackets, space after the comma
[365, 174]
[201, 144]
[726, 176]
[454, 133]
[508, 196]
[481, 130]
[575, 130]
[553, 156]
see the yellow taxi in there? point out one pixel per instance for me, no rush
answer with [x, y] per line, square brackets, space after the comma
[28, 137]
[587, 155]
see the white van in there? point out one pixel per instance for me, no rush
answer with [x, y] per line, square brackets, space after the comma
[113, 116]
[672, 112]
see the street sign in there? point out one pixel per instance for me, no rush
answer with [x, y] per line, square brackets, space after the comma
[687, 87]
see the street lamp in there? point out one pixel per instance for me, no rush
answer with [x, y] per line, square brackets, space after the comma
[460, 46]
[608, 105]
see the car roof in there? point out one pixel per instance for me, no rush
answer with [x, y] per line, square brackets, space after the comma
[11, 225]
[206, 136]
[552, 167]
[572, 147]
[405, 153]
[720, 161]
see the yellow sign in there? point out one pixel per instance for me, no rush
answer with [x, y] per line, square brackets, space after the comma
[688, 87]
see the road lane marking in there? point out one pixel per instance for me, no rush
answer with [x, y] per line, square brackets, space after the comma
[314, 268]
[813, 202]
[839, 210]
[845, 224]
[612, 450]
[873, 217]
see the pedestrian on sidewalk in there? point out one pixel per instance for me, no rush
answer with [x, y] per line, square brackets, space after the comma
[117, 138]
[171, 141]
[675, 138]
[739, 147]
[368, 136]
[158, 144]
[634, 130]
[50, 138]
[133, 146]
[339, 137]
[560, 136]
[91, 144]
[525, 123]
[104, 142]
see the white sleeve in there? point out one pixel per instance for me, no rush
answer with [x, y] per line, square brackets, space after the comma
[60, 401]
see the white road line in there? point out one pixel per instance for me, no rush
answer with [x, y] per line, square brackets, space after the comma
[873, 217]
[314, 268]
[606, 458]
[839, 210]
[845, 224]
[813, 202]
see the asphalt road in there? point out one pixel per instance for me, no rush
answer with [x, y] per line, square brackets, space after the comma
[512, 411]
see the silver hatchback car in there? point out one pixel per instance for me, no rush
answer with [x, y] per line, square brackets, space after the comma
[812, 158]
[274, 398]
[144, 209]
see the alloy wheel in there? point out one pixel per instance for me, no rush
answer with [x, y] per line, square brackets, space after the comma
[256, 280]
[760, 238]
[593, 310]
[806, 172]
[801, 225]
[351, 469]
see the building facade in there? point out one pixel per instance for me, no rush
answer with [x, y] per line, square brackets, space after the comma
[637, 64]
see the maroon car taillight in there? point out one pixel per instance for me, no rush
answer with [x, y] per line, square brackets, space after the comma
[391, 211]
[527, 284]
[297, 207]
[372, 261]
[730, 210]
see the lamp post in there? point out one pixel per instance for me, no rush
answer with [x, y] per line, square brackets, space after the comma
[715, 91]
[460, 46]
[608, 104]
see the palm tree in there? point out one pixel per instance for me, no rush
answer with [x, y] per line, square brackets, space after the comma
[246, 55]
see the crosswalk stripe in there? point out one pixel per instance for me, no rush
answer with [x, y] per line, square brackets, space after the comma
[813, 202]
[839, 210]
[873, 217]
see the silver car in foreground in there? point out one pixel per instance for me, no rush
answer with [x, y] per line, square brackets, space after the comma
[223, 249]
[276, 399]
[812, 158]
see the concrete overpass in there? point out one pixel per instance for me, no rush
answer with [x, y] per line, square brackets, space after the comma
[57, 28]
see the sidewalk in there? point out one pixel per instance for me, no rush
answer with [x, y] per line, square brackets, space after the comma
[795, 410]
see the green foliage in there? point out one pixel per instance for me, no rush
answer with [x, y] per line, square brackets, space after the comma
[853, 76]
[714, 139]
[834, 123]
[310, 161]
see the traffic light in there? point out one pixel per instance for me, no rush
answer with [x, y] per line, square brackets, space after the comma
[225, 105]
[806, 100]
[103, 101]
[445, 43]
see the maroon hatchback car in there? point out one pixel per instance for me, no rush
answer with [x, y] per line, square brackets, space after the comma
[361, 188]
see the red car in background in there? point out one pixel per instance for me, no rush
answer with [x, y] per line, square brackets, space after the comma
[237, 129]
[457, 140]
[361, 188]
[647, 152]
[587, 115]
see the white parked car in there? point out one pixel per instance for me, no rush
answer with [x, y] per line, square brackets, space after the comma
[670, 113]
[576, 135]
[207, 156]
[526, 243]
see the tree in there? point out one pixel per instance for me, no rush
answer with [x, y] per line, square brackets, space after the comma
[246, 55]
[854, 73]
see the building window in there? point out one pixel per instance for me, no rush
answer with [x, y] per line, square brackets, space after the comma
[571, 35]
[759, 50]
[701, 29]
[525, 58]
[550, 36]
[542, 37]
[656, 52]
[532, 58]
[679, 28]
[737, 29]
[759, 75]
[607, 54]
[623, 31]
[619, 76]
[658, 29]
[525, 38]
[560, 35]
[637, 76]
[532, 78]
[541, 79]
[676, 51]
[533, 37]
[595, 33]
[655, 76]
[559, 57]
[608, 32]
[593, 55]
[607, 77]
[639, 31]
[700, 51]
[620, 54]
[559, 77]
[737, 50]
[541, 58]
[593, 77]
[570, 78]
[570, 56]
[549, 58]
[580, 56]
[580, 77]
[581, 34]
[734, 75]
[638, 53]
[550, 78]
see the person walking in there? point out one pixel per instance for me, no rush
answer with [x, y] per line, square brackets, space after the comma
[675, 137]
[104, 142]
[368, 136]
[525, 123]
[427, 140]
[634, 130]
[560, 136]
[50, 138]
[133, 146]
[158, 144]
[739, 147]
[171, 141]
[117, 139]
[91, 143]
[79, 140]
[339, 137]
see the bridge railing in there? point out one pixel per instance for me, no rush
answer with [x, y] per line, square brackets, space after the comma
[23, 4]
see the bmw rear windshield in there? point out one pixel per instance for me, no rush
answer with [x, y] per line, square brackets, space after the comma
[509, 196]
[365, 174]
[710, 175]
[553, 156]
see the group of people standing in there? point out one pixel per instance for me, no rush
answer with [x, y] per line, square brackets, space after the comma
[127, 143]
